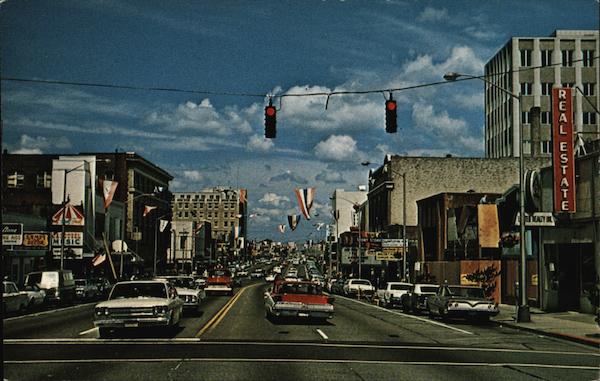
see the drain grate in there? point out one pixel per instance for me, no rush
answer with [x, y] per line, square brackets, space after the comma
[283, 332]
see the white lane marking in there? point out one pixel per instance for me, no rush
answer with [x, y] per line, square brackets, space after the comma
[49, 312]
[187, 341]
[279, 360]
[323, 335]
[88, 331]
[411, 316]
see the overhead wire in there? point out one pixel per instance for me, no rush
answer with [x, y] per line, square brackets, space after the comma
[327, 94]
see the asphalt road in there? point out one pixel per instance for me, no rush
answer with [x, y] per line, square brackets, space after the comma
[232, 340]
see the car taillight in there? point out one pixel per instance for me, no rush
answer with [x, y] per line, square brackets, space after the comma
[330, 300]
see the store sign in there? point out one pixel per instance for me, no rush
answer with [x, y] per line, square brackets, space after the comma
[537, 219]
[12, 234]
[70, 252]
[36, 241]
[563, 160]
[71, 239]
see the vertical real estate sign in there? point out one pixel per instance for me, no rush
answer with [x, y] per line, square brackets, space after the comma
[563, 160]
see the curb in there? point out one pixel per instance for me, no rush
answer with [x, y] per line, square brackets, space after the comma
[563, 336]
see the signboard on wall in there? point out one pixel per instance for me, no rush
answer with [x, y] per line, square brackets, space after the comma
[71, 239]
[563, 160]
[12, 234]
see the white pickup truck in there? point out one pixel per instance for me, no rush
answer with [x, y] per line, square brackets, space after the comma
[391, 293]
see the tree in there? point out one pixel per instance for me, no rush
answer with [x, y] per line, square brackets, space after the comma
[486, 278]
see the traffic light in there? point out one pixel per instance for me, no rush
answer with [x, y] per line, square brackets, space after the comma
[270, 121]
[391, 124]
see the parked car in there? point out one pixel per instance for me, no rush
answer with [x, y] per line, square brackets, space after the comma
[35, 295]
[191, 294]
[59, 285]
[86, 289]
[242, 273]
[390, 295]
[12, 299]
[270, 277]
[354, 287]
[416, 300]
[297, 299]
[461, 302]
[142, 303]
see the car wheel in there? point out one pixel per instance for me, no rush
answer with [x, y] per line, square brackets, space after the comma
[31, 304]
[430, 313]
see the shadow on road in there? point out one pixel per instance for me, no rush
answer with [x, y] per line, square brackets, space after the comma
[144, 333]
[298, 321]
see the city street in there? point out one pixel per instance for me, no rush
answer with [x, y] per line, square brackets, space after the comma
[361, 341]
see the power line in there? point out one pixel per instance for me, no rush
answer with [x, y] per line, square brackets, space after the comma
[265, 95]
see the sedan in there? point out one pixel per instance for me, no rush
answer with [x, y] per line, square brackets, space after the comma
[461, 302]
[35, 295]
[135, 304]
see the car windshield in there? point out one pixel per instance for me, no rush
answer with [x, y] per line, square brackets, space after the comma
[400, 287]
[220, 273]
[139, 290]
[361, 282]
[182, 282]
[429, 288]
[467, 292]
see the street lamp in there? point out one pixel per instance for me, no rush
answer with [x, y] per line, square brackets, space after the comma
[523, 314]
[64, 207]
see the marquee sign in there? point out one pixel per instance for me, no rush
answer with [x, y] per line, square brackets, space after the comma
[563, 160]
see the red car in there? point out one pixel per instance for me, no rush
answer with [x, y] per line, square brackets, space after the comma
[219, 281]
[300, 299]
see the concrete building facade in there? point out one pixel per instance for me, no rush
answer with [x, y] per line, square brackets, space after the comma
[531, 67]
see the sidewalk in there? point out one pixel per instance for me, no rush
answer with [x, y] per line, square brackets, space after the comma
[570, 325]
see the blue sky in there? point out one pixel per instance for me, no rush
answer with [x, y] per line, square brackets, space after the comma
[258, 47]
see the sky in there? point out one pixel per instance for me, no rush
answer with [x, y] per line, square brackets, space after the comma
[225, 58]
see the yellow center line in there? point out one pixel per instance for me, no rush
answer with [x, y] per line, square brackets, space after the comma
[215, 320]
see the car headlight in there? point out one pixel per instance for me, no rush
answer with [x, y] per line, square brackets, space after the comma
[160, 310]
[101, 311]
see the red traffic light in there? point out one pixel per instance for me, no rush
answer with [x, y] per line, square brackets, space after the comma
[391, 124]
[390, 105]
[270, 111]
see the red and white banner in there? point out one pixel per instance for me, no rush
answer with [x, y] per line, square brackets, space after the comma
[281, 228]
[108, 191]
[98, 259]
[563, 160]
[72, 216]
[305, 199]
[243, 196]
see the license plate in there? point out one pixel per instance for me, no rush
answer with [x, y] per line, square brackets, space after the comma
[302, 314]
[131, 325]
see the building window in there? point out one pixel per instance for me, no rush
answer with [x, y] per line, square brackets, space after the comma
[15, 180]
[589, 118]
[567, 58]
[546, 117]
[546, 147]
[525, 117]
[44, 180]
[225, 223]
[588, 58]
[526, 57]
[526, 88]
[527, 147]
[546, 88]
[568, 84]
[588, 89]
[546, 57]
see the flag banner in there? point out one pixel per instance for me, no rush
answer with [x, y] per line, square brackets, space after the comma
[163, 225]
[72, 216]
[158, 189]
[293, 221]
[487, 223]
[243, 194]
[198, 227]
[108, 191]
[305, 199]
[148, 209]
[98, 259]
[236, 232]
[281, 228]
[319, 225]
[336, 214]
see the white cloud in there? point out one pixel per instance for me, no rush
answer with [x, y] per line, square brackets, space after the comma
[203, 117]
[192, 175]
[440, 124]
[432, 14]
[274, 199]
[422, 69]
[259, 143]
[338, 148]
[330, 177]
[39, 144]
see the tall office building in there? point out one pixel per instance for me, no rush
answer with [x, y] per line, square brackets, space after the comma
[532, 66]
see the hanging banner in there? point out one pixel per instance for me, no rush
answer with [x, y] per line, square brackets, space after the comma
[488, 227]
[563, 161]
